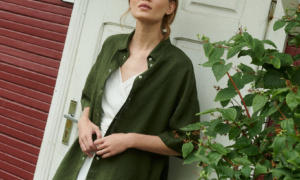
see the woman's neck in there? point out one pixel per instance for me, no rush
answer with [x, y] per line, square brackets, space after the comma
[146, 36]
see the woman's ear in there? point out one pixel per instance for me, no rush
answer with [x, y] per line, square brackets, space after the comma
[171, 8]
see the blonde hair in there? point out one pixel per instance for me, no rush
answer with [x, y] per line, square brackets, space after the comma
[166, 21]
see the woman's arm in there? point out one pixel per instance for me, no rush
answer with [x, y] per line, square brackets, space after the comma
[117, 143]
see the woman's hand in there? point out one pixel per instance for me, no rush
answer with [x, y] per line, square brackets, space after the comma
[86, 130]
[112, 144]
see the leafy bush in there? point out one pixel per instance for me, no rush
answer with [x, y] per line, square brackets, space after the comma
[266, 137]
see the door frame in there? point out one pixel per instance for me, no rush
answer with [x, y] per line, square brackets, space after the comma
[61, 90]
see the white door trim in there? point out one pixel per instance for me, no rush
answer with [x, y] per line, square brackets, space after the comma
[61, 90]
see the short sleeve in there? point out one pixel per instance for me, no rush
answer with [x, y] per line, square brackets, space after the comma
[185, 113]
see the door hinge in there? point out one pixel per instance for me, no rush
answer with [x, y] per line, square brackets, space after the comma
[272, 9]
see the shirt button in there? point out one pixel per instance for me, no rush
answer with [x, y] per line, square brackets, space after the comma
[97, 158]
[82, 158]
[124, 57]
[150, 59]
[151, 65]
[140, 77]
[109, 70]
[97, 114]
[100, 91]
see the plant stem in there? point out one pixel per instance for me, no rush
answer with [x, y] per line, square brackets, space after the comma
[240, 129]
[248, 114]
[279, 110]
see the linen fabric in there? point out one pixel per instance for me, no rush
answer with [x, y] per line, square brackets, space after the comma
[115, 94]
[162, 100]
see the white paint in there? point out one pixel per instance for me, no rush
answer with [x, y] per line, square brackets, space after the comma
[214, 18]
[70, 1]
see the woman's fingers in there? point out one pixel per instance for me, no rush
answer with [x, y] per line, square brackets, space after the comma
[98, 132]
[103, 151]
[84, 149]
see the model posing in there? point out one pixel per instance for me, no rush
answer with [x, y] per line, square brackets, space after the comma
[137, 96]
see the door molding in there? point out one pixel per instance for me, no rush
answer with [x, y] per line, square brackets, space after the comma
[61, 90]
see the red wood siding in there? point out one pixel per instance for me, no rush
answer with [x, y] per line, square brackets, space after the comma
[32, 36]
[292, 50]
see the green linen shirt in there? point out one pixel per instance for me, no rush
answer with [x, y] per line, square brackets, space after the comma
[162, 100]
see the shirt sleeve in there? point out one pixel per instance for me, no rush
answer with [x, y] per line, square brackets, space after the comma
[185, 113]
[88, 88]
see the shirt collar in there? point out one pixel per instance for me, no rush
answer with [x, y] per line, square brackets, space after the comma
[160, 48]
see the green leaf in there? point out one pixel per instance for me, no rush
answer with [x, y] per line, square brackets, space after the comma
[241, 161]
[220, 70]
[249, 99]
[276, 92]
[245, 53]
[290, 154]
[288, 125]
[191, 158]
[278, 24]
[187, 148]
[259, 102]
[266, 41]
[285, 59]
[276, 62]
[207, 111]
[203, 159]
[273, 79]
[282, 171]
[225, 94]
[248, 38]
[208, 170]
[208, 47]
[234, 132]
[295, 79]
[278, 144]
[216, 53]
[234, 50]
[259, 169]
[237, 81]
[291, 25]
[222, 128]
[227, 171]
[246, 170]
[219, 148]
[256, 128]
[269, 109]
[242, 142]
[291, 100]
[250, 150]
[228, 114]
[249, 73]
[211, 129]
[192, 127]
[251, 120]
[225, 103]
[212, 62]
[214, 157]
[259, 48]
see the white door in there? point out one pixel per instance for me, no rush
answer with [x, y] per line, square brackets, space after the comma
[98, 19]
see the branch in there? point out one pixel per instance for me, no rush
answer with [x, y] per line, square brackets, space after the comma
[248, 114]
[279, 110]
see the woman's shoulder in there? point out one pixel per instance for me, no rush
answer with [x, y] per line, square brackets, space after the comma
[178, 57]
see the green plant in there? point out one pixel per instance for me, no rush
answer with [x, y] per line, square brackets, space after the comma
[263, 124]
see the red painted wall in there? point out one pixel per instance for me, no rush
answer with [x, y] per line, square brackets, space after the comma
[32, 36]
[292, 50]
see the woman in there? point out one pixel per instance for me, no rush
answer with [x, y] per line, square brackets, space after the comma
[140, 92]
